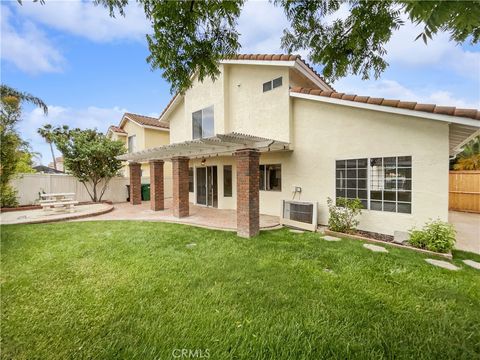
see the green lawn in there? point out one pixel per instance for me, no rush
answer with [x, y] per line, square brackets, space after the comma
[134, 290]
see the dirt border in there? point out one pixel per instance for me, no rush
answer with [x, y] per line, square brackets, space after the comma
[362, 238]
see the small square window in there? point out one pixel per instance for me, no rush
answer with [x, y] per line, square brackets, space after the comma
[267, 86]
[404, 208]
[277, 82]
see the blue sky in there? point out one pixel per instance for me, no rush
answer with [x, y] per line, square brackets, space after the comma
[90, 68]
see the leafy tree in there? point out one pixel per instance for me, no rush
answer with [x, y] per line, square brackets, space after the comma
[15, 154]
[91, 157]
[191, 36]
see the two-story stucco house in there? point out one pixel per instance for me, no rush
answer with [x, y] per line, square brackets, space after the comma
[139, 132]
[271, 129]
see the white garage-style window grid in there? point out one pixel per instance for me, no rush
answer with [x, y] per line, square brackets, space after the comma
[381, 183]
[203, 123]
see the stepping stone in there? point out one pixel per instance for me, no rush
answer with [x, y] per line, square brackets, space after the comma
[295, 231]
[330, 238]
[442, 264]
[191, 245]
[474, 264]
[375, 248]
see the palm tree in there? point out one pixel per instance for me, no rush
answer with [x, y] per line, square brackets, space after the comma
[47, 132]
[6, 90]
[469, 158]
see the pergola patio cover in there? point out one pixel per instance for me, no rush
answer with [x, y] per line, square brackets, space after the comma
[216, 145]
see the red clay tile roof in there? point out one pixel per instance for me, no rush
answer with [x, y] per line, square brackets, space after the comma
[117, 129]
[431, 108]
[147, 120]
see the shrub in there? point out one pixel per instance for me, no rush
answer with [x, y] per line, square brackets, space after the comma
[343, 214]
[8, 196]
[435, 235]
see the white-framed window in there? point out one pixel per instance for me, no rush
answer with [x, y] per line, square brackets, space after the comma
[270, 177]
[227, 180]
[203, 123]
[382, 183]
[190, 180]
[272, 84]
[132, 143]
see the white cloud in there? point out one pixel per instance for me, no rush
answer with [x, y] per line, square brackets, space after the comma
[87, 20]
[28, 49]
[90, 117]
[440, 52]
[392, 89]
[261, 25]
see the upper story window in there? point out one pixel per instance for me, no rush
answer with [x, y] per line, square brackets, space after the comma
[203, 123]
[132, 143]
[272, 84]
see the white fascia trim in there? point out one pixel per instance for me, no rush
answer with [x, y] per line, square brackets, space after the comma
[119, 134]
[260, 62]
[308, 73]
[171, 107]
[392, 110]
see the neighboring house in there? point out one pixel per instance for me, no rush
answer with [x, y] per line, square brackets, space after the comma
[59, 162]
[138, 133]
[46, 170]
[313, 143]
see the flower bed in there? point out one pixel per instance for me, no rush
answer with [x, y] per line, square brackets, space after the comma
[371, 239]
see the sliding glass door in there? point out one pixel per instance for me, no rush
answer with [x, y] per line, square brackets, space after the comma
[207, 186]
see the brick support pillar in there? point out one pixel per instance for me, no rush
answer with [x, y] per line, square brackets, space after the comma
[248, 203]
[156, 185]
[180, 187]
[135, 183]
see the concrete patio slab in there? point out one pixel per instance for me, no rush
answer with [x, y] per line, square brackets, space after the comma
[474, 264]
[202, 216]
[467, 226]
[41, 216]
[375, 248]
[442, 264]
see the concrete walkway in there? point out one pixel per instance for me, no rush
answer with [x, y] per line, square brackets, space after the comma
[467, 226]
[41, 216]
[199, 216]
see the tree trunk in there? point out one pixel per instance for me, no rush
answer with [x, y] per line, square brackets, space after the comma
[53, 157]
[94, 192]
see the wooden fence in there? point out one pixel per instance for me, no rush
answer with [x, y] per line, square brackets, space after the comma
[30, 185]
[464, 191]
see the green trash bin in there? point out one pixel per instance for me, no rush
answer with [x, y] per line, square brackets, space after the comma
[145, 192]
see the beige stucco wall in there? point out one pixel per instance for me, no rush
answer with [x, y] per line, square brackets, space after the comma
[324, 133]
[240, 105]
[254, 112]
[145, 139]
